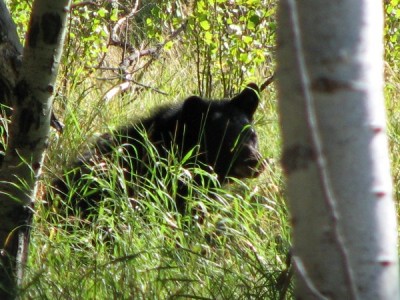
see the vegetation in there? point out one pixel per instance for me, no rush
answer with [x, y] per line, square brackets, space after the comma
[209, 48]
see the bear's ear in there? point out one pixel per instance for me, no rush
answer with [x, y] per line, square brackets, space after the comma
[193, 105]
[247, 101]
[193, 110]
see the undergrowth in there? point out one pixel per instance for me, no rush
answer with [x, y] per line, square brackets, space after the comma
[142, 249]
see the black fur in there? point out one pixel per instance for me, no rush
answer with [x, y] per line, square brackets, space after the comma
[221, 130]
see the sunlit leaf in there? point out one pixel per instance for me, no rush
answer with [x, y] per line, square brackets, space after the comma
[205, 25]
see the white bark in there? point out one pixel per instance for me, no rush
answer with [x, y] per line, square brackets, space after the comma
[335, 154]
[34, 95]
[28, 134]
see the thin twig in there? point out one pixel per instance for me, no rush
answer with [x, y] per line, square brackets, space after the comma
[154, 51]
[267, 82]
[115, 40]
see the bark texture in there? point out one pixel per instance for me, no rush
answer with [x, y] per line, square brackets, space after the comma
[10, 63]
[335, 153]
[31, 97]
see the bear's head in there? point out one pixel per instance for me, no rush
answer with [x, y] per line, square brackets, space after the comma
[228, 141]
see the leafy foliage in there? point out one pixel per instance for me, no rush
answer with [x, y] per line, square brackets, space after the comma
[392, 34]
[228, 40]
[20, 13]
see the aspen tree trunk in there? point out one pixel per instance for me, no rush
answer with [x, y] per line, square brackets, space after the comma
[335, 153]
[10, 61]
[31, 97]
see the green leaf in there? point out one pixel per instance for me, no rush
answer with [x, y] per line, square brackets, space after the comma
[102, 12]
[201, 7]
[243, 57]
[205, 25]
[168, 45]
[247, 39]
[208, 37]
[114, 15]
[253, 2]
[253, 21]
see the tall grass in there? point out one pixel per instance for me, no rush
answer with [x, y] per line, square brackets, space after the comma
[392, 95]
[139, 248]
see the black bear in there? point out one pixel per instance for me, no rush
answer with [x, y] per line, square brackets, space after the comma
[220, 130]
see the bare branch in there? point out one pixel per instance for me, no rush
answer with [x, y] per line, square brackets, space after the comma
[114, 37]
[267, 82]
[154, 51]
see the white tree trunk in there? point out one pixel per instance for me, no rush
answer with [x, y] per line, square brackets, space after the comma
[32, 97]
[335, 153]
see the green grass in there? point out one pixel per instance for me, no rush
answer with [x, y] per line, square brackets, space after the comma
[237, 252]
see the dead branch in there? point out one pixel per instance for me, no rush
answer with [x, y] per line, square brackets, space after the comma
[154, 51]
[267, 82]
[114, 37]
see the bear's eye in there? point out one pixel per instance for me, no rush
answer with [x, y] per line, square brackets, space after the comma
[245, 135]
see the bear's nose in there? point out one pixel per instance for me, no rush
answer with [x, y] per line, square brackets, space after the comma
[249, 168]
